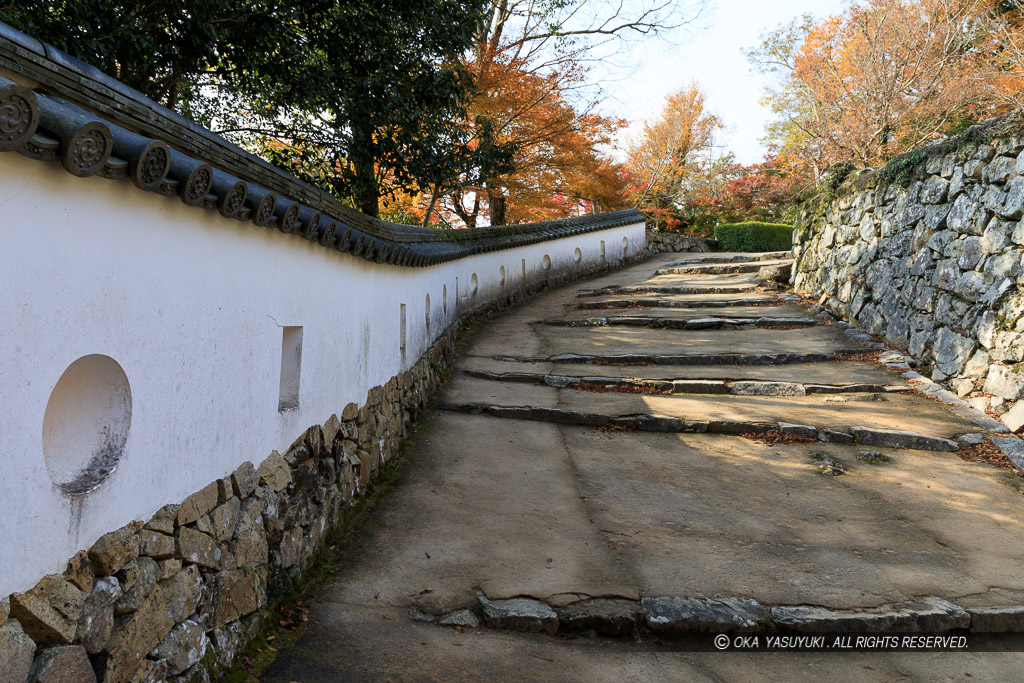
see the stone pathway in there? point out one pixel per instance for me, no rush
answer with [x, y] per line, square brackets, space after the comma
[591, 458]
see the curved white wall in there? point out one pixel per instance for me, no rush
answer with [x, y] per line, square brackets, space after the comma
[192, 306]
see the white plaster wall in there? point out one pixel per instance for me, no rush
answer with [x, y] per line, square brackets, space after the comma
[191, 305]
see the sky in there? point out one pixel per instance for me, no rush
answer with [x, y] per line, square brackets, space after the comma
[711, 54]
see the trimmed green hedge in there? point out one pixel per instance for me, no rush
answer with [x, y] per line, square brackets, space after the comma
[754, 237]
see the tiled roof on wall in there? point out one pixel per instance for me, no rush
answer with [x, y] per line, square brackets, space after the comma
[95, 125]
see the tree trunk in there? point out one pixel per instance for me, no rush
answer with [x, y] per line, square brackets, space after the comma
[496, 204]
[365, 188]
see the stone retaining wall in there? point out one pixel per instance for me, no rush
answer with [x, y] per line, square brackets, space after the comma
[178, 596]
[927, 254]
[660, 241]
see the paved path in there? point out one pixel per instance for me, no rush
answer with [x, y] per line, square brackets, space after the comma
[511, 490]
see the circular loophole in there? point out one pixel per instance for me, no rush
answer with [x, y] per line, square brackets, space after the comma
[577, 255]
[501, 274]
[86, 424]
[546, 262]
[474, 284]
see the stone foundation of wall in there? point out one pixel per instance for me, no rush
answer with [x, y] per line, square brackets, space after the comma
[660, 241]
[929, 256]
[178, 596]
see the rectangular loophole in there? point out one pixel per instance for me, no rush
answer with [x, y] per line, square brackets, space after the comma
[401, 341]
[524, 269]
[603, 259]
[291, 368]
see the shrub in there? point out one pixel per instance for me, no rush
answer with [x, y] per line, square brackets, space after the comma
[754, 237]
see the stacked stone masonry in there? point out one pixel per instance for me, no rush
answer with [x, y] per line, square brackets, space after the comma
[935, 267]
[177, 597]
[661, 241]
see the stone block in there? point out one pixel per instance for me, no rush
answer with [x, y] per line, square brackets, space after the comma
[934, 190]
[275, 473]
[705, 615]
[49, 613]
[1014, 417]
[699, 386]
[1005, 382]
[182, 648]
[224, 518]
[753, 388]
[236, 593]
[80, 572]
[609, 616]
[1012, 447]
[156, 545]
[197, 674]
[16, 650]
[181, 593]
[97, 620]
[892, 438]
[62, 664]
[999, 619]
[659, 423]
[245, 479]
[927, 615]
[462, 618]
[114, 550]
[164, 520]
[790, 429]
[137, 579]
[952, 350]
[519, 614]
[250, 546]
[198, 548]
[1000, 170]
[169, 568]
[135, 637]
[198, 504]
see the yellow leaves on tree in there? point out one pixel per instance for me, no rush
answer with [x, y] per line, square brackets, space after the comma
[889, 75]
[672, 149]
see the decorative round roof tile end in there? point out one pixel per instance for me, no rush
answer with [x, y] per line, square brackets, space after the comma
[87, 149]
[19, 116]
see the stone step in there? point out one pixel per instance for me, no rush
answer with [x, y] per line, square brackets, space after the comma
[661, 290]
[653, 422]
[740, 387]
[721, 269]
[678, 359]
[703, 323]
[741, 258]
[640, 302]
[620, 616]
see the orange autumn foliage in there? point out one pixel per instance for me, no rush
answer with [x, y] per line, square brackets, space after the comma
[887, 76]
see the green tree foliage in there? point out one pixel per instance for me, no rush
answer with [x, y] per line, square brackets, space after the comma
[361, 98]
[166, 49]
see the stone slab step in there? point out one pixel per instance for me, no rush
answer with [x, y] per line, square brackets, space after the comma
[701, 323]
[742, 258]
[721, 269]
[641, 302]
[661, 289]
[667, 615]
[742, 387]
[678, 359]
[884, 438]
